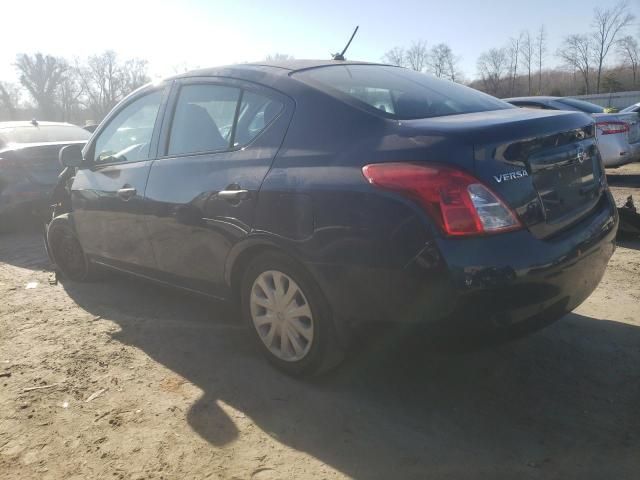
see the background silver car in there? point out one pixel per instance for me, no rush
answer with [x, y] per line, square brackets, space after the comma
[618, 133]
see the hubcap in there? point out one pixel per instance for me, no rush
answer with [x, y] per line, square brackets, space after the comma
[281, 315]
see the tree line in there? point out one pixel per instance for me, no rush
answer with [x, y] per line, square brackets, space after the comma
[520, 67]
[78, 91]
[586, 66]
[606, 58]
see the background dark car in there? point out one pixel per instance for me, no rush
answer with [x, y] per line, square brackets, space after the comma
[321, 195]
[29, 167]
[618, 133]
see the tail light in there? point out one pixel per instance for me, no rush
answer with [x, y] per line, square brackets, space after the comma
[459, 203]
[609, 128]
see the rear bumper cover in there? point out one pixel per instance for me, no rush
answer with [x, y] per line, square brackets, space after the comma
[616, 151]
[495, 281]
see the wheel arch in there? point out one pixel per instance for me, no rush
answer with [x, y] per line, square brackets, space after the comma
[242, 253]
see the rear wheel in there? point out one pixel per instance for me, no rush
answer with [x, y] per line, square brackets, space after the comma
[66, 252]
[289, 316]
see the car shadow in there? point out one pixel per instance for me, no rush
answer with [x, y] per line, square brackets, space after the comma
[623, 179]
[562, 403]
[628, 241]
[17, 249]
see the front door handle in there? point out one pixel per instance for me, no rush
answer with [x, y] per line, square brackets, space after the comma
[126, 193]
[234, 196]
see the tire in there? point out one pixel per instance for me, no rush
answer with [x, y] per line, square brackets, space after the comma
[65, 250]
[300, 320]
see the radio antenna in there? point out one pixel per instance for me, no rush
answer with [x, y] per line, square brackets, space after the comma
[340, 56]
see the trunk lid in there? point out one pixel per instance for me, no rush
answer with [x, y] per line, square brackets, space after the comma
[544, 164]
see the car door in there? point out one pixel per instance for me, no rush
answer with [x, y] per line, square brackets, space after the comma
[202, 190]
[108, 194]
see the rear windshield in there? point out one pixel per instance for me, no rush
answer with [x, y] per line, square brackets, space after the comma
[397, 92]
[42, 133]
[581, 105]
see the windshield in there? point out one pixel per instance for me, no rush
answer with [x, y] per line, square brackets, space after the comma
[397, 92]
[42, 133]
[581, 105]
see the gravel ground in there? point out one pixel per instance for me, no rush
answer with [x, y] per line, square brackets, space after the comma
[121, 379]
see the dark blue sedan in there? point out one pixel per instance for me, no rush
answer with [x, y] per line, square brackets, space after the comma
[323, 194]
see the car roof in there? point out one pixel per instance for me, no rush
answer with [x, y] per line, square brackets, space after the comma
[540, 98]
[28, 123]
[278, 68]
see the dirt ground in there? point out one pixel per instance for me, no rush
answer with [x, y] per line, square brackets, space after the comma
[122, 379]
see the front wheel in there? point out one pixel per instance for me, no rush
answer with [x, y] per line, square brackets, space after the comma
[289, 316]
[66, 252]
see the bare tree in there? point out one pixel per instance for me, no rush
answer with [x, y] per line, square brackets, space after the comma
[41, 75]
[453, 70]
[527, 57]
[396, 56]
[69, 93]
[576, 53]
[442, 63]
[9, 98]
[492, 66]
[437, 60]
[608, 24]
[629, 51]
[105, 81]
[183, 67]
[513, 51]
[417, 55]
[541, 50]
[279, 57]
[134, 74]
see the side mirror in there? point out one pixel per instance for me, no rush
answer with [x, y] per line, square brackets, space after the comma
[71, 156]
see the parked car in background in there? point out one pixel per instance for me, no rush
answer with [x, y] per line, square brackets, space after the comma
[91, 127]
[635, 108]
[29, 167]
[321, 195]
[618, 133]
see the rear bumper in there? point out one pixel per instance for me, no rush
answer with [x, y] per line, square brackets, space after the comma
[492, 281]
[616, 151]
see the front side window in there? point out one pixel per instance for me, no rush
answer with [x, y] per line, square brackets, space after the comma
[127, 137]
[397, 92]
[203, 119]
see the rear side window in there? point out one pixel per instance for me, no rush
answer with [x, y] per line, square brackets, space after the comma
[203, 119]
[256, 113]
[397, 92]
[42, 134]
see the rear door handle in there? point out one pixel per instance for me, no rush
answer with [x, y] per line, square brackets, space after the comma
[126, 193]
[234, 195]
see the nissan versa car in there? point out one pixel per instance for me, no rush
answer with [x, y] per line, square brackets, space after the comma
[324, 194]
[618, 133]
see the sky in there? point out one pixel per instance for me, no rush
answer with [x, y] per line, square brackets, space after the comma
[174, 35]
